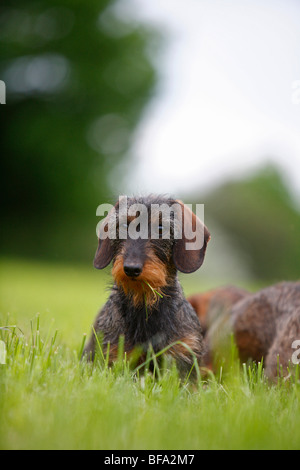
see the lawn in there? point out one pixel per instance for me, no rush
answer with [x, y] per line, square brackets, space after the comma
[51, 400]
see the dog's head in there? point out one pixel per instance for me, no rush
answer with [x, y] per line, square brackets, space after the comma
[148, 239]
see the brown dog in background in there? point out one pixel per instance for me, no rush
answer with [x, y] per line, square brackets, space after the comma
[265, 324]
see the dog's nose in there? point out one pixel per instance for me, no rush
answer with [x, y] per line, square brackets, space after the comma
[133, 270]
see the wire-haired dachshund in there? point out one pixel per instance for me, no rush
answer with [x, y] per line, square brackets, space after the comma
[146, 305]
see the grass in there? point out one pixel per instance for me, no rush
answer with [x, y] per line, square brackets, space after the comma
[49, 399]
[154, 292]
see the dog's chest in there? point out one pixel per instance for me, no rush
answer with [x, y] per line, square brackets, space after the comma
[144, 326]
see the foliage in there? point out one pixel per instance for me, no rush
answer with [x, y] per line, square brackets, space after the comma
[260, 216]
[78, 78]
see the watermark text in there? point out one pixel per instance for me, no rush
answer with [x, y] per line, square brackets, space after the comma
[129, 219]
[296, 354]
[2, 92]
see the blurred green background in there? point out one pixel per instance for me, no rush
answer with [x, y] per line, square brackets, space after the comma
[78, 81]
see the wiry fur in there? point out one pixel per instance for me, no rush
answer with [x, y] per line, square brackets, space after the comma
[137, 311]
[264, 324]
[154, 274]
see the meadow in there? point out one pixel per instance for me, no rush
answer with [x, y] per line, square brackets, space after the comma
[49, 399]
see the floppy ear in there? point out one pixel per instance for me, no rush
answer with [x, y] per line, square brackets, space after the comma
[188, 261]
[104, 253]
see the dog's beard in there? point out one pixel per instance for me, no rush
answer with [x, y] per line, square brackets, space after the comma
[147, 288]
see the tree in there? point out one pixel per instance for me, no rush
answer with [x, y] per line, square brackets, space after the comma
[77, 79]
[260, 216]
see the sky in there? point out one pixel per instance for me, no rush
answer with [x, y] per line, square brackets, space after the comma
[228, 94]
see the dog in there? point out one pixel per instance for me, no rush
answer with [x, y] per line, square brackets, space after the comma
[146, 305]
[265, 324]
[212, 304]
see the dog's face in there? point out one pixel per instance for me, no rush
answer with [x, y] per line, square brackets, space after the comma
[146, 242]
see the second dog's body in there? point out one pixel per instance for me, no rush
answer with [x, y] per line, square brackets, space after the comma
[265, 324]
